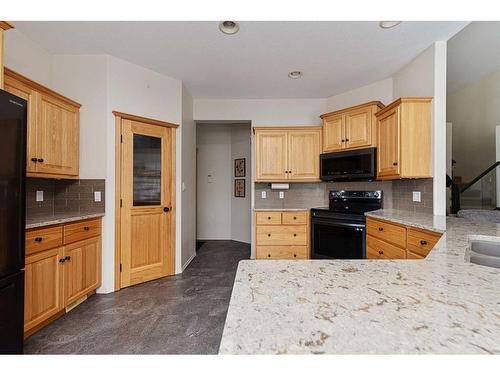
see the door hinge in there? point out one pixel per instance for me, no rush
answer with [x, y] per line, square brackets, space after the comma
[121, 138]
[120, 267]
[121, 203]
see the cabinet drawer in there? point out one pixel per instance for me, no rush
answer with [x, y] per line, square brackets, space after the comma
[269, 218]
[282, 235]
[387, 232]
[294, 218]
[282, 252]
[421, 242]
[377, 249]
[81, 230]
[43, 239]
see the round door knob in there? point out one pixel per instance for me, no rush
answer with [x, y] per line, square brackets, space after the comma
[423, 242]
[38, 239]
[34, 160]
[86, 228]
[380, 229]
[166, 209]
[40, 160]
[380, 252]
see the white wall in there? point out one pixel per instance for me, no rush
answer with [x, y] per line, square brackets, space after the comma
[426, 76]
[188, 125]
[241, 208]
[214, 193]
[26, 57]
[474, 110]
[84, 78]
[380, 90]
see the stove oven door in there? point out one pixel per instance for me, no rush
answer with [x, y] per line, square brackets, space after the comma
[331, 239]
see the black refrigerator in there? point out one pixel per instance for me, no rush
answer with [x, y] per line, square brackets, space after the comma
[13, 114]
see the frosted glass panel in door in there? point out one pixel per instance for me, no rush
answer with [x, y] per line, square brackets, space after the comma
[147, 170]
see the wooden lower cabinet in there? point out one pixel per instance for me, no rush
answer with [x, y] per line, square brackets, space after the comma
[57, 277]
[282, 235]
[386, 240]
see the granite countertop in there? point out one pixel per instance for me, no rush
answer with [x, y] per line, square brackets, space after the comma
[37, 222]
[441, 304]
[279, 209]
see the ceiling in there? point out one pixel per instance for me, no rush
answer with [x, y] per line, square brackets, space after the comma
[473, 54]
[254, 63]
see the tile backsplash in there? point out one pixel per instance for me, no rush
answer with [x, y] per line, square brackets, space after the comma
[397, 194]
[63, 197]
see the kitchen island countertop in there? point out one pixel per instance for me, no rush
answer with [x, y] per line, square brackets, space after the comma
[442, 304]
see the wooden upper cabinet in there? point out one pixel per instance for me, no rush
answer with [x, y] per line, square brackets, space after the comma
[287, 154]
[271, 155]
[404, 139]
[303, 154]
[53, 128]
[350, 128]
[333, 133]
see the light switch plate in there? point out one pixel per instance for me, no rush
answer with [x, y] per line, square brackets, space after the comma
[263, 194]
[282, 194]
[417, 197]
[39, 196]
[97, 196]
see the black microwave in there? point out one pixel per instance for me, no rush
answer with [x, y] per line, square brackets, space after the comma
[354, 165]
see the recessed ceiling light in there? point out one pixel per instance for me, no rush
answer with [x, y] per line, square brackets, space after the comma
[295, 74]
[229, 27]
[388, 24]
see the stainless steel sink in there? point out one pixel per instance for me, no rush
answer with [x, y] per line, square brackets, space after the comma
[485, 253]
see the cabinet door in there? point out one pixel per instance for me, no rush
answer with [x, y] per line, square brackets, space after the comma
[358, 128]
[388, 162]
[19, 89]
[271, 155]
[82, 268]
[57, 137]
[333, 133]
[303, 154]
[43, 287]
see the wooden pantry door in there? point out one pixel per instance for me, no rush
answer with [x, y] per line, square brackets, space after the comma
[147, 213]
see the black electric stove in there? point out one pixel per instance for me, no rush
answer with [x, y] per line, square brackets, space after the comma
[338, 231]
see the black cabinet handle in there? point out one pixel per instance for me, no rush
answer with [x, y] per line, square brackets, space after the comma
[34, 160]
[166, 209]
[269, 235]
[380, 252]
[61, 260]
[347, 139]
[38, 239]
[295, 234]
[380, 229]
[423, 242]
[343, 140]
[86, 228]
[40, 160]
[67, 258]
[269, 255]
[394, 163]
[295, 255]
[295, 218]
[269, 218]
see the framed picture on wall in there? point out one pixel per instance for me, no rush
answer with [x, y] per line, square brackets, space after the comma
[239, 167]
[239, 188]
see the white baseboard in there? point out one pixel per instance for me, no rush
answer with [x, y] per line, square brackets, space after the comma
[188, 261]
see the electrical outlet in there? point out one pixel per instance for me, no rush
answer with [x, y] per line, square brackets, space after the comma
[97, 196]
[39, 196]
[263, 194]
[417, 196]
[282, 195]
[210, 179]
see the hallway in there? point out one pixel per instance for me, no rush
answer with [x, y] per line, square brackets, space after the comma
[182, 314]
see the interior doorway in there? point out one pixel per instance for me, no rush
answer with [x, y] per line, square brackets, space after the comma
[145, 206]
[223, 181]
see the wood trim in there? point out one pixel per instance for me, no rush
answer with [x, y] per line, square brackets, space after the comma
[145, 120]
[374, 102]
[404, 99]
[274, 128]
[40, 88]
[52, 176]
[39, 326]
[4, 25]
[118, 162]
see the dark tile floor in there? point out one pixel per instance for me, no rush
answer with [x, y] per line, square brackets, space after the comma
[181, 314]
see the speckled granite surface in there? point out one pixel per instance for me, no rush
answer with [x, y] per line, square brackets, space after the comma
[38, 222]
[442, 304]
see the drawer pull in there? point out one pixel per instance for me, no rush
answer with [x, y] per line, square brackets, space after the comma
[68, 258]
[86, 228]
[269, 255]
[295, 234]
[269, 218]
[380, 252]
[269, 235]
[295, 218]
[295, 255]
[40, 160]
[423, 242]
[38, 239]
[34, 160]
[61, 260]
[380, 229]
